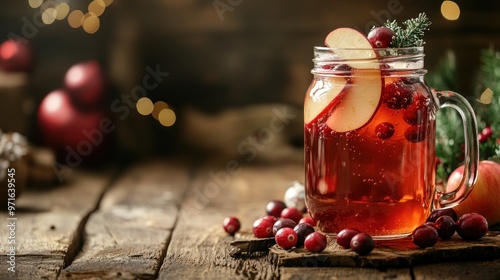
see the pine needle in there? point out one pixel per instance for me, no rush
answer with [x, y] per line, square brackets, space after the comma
[412, 34]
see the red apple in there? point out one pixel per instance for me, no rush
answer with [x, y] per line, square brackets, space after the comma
[16, 56]
[485, 195]
[86, 83]
[77, 136]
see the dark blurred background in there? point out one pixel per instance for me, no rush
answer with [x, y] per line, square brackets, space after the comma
[222, 54]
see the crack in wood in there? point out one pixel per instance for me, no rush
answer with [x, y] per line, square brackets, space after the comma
[78, 239]
[190, 175]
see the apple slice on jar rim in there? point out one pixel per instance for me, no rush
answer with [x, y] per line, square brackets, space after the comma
[350, 44]
[361, 101]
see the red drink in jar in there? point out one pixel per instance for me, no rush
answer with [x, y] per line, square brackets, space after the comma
[370, 143]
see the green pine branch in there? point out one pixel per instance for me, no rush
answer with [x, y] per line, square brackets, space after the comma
[449, 132]
[412, 34]
[489, 114]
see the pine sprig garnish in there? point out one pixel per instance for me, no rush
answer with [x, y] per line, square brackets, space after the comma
[412, 34]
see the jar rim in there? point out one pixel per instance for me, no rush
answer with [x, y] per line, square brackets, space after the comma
[367, 53]
[325, 48]
[389, 59]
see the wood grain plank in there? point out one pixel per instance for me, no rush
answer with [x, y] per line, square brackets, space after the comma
[200, 250]
[128, 235]
[484, 270]
[349, 273]
[48, 225]
[199, 247]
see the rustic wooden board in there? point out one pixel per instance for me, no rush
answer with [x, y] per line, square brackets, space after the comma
[128, 235]
[484, 270]
[49, 224]
[396, 253]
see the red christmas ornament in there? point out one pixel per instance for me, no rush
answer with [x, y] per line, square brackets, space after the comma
[77, 136]
[17, 56]
[86, 83]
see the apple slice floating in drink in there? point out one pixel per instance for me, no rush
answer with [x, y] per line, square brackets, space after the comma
[359, 104]
[361, 101]
[323, 98]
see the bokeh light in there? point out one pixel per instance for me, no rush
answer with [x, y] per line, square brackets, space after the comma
[450, 10]
[49, 16]
[159, 106]
[35, 3]
[75, 18]
[107, 2]
[88, 20]
[62, 10]
[97, 7]
[167, 117]
[160, 111]
[144, 106]
[91, 23]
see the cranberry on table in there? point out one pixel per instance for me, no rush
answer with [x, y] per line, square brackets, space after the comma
[315, 242]
[292, 213]
[472, 226]
[274, 208]
[424, 236]
[231, 225]
[308, 220]
[302, 230]
[286, 238]
[344, 237]
[445, 226]
[262, 228]
[272, 219]
[442, 212]
[362, 243]
[432, 224]
[283, 223]
[381, 37]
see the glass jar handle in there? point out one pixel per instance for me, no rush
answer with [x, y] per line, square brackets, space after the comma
[448, 199]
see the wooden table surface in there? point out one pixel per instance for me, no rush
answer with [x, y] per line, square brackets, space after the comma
[162, 219]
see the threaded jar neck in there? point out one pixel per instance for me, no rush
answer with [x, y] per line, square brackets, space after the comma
[392, 61]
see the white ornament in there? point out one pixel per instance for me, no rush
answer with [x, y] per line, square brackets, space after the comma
[295, 196]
